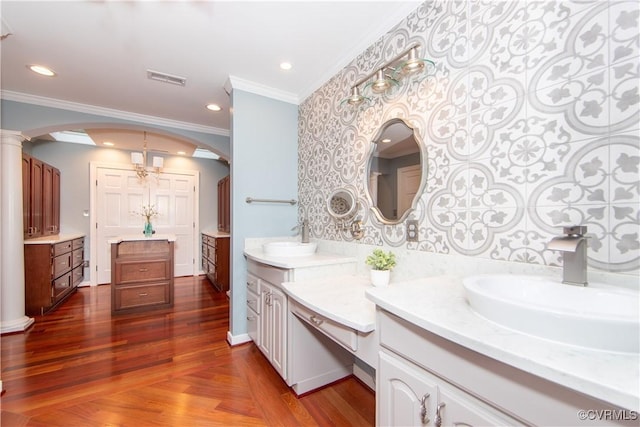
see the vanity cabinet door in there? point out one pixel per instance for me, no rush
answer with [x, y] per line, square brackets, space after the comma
[273, 326]
[404, 396]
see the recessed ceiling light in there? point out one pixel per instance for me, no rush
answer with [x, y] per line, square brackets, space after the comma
[181, 153]
[108, 144]
[214, 107]
[285, 66]
[42, 70]
[386, 141]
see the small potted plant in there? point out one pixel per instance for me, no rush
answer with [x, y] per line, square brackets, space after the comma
[381, 263]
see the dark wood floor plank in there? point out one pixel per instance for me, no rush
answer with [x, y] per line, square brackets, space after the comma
[79, 366]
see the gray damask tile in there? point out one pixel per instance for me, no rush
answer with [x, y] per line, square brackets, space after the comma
[624, 24]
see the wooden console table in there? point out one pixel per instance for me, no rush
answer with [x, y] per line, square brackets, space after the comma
[141, 273]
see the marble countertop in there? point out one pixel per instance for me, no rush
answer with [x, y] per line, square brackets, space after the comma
[48, 240]
[140, 237]
[339, 298]
[215, 233]
[315, 260]
[438, 304]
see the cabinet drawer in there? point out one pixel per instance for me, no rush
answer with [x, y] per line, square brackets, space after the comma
[60, 286]
[141, 271]
[253, 320]
[253, 302]
[61, 264]
[253, 284]
[128, 297]
[77, 243]
[271, 274]
[342, 334]
[62, 248]
[78, 257]
[77, 275]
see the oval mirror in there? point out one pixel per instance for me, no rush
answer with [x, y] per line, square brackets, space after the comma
[395, 171]
[342, 204]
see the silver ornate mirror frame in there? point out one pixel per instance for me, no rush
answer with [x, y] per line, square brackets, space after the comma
[423, 169]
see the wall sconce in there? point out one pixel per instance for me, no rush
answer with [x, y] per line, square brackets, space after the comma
[388, 76]
[139, 161]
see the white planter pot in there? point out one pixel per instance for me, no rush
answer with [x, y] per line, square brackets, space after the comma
[380, 278]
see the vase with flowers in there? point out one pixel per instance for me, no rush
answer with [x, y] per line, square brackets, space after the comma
[148, 212]
[381, 263]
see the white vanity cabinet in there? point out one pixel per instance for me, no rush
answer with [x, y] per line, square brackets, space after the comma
[253, 308]
[268, 303]
[475, 389]
[273, 326]
[410, 396]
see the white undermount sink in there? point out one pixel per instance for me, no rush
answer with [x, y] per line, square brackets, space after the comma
[597, 316]
[289, 248]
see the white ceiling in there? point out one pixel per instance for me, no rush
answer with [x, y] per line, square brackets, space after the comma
[101, 50]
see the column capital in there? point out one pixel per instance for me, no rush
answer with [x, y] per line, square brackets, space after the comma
[12, 137]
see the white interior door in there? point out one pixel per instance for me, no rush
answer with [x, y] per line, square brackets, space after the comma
[173, 196]
[119, 194]
[408, 183]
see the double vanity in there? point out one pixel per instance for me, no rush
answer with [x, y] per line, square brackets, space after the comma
[432, 359]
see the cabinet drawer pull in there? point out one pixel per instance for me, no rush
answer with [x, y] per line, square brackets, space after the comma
[438, 419]
[143, 294]
[315, 320]
[143, 270]
[424, 416]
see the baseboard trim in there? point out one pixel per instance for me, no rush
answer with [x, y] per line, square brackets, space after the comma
[19, 325]
[237, 339]
[365, 377]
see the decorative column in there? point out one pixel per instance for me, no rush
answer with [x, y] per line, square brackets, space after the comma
[12, 314]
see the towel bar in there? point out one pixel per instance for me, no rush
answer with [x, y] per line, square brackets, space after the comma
[251, 200]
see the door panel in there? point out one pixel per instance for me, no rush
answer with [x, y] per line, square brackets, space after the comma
[120, 195]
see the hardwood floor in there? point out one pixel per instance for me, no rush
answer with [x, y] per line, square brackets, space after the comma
[78, 366]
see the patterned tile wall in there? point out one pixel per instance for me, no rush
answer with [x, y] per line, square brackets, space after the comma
[531, 121]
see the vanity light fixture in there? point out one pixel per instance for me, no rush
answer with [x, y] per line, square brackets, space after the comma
[355, 98]
[42, 70]
[139, 161]
[378, 82]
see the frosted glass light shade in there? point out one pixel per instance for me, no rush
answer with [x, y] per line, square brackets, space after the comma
[158, 162]
[136, 158]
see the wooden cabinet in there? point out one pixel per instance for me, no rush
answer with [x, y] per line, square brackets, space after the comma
[215, 260]
[50, 200]
[141, 275]
[224, 204]
[40, 198]
[53, 270]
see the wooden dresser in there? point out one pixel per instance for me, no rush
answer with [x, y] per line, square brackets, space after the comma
[141, 274]
[215, 259]
[54, 266]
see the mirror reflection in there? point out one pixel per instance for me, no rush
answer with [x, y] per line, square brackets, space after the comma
[395, 171]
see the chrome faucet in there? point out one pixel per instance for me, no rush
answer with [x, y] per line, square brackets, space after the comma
[573, 245]
[305, 231]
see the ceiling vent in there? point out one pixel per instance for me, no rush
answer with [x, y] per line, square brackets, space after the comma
[166, 78]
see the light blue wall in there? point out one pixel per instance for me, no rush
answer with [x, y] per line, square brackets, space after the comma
[35, 120]
[264, 165]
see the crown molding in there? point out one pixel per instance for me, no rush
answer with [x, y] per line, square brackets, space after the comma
[234, 82]
[108, 112]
